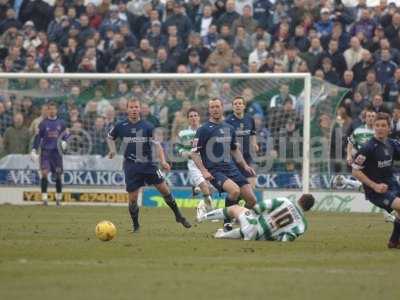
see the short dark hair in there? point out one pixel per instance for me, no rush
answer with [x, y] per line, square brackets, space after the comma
[51, 103]
[306, 201]
[215, 99]
[382, 116]
[132, 100]
[192, 109]
[239, 97]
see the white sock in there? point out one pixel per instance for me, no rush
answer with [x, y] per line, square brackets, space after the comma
[44, 197]
[353, 183]
[216, 214]
[232, 234]
[58, 196]
[208, 200]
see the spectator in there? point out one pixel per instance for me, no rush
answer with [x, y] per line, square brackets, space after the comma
[392, 90]
[353, 54]
[393, 29]
[180, 20]
[154, 36]
[357, 105]
[365, 25]
[204, 21]
[195, 43]
[292, 61]
[385, 68]
[313, 55]
[378, 106]
[361, 68]
[147, 116]
[242, 43]
[370, 87]
[98, 136]
[221, 56]
[325, 25]
[299, 40]
[194, 65]
[395, 122]
[330, 74]
[259, 54]
[17, 138]
[230, 14]
[246, 20]
[210, 39]
[279, 99]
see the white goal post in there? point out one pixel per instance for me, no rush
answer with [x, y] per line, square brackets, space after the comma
[306, 94]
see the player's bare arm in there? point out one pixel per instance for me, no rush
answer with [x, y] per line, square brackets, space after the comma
[237, 155]
[199, 163]
[253, 142]
[349, 158]
[377, 187]
[112, 148]
[160, 153]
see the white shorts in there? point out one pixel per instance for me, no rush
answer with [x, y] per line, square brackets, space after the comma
[248, 230]
[195, 176]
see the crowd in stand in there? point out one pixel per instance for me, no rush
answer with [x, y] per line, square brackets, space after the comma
[357, 48]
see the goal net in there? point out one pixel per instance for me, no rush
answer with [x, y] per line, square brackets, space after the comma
[297, 131]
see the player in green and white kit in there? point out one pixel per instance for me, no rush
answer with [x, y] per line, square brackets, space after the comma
[276, 219]
[184, 148]
[357, 139]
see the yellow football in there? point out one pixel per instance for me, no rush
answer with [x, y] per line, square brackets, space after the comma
[105, 231]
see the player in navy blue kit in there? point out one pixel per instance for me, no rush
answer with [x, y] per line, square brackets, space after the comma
[139, 164]
[52, 140]
[373, 166]
[216, 143]
[245, 130]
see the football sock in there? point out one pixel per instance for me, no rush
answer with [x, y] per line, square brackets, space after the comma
[218, 214]
[43, 185]
[228, 202]
[396, 231]
[134, 212]
[58, 184]
[169, 199]
[233, 234]
[44, 197]
[208, 200]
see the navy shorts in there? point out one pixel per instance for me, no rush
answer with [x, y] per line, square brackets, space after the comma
[232, 173]
[51, 160]
[384, 200]
[136, 177]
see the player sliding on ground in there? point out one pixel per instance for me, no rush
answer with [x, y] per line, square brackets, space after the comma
[184, 148]
[373, 166]
[360, 136]
[217, 152]
[52, 141]
[139, 165]
[275, 219]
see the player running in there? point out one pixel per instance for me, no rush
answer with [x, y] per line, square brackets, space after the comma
[245, 130]
[360, 136]
[52, 141]
[373, 166]
[139, 164]
[275, 219]
[217, 152]
[185, 147]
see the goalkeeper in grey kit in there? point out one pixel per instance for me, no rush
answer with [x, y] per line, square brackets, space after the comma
[184, 148]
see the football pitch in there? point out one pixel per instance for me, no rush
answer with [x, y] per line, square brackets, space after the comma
[50, 253]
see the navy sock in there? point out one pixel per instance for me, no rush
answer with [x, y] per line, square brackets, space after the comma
[58, 184]
[134, 212]
[229, 202]
[169, 199]
[43, 184]
[396, 231]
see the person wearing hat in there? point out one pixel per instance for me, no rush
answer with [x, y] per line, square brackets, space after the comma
[325, 25]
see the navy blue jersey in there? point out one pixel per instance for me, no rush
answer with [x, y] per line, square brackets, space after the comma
[375, 160]
[244, 128]
[137, 139]
[214, 142]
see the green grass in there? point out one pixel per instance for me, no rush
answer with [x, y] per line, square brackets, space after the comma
[50, 253]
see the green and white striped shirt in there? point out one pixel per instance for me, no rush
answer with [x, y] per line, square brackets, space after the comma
[360, 136]
[186, 138]
[279, 220]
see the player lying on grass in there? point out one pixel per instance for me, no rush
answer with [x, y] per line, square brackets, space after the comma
[373, 166]
[184, 148]
[275, 219]
[218, 158]
[139, 165]
[360, 136]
